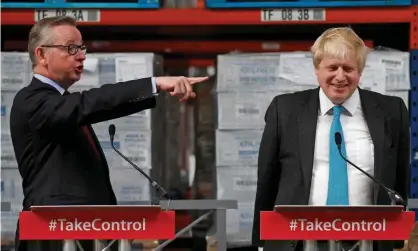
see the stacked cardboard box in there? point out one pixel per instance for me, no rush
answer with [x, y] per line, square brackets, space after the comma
[246, 85]
[133, 133]
[15, 70]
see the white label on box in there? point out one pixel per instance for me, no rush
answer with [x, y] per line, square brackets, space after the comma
[136, 121]
[298, 67]
[247, 111]
[240, 220]
[236, 182]
[245, 183]
[130, 185]
[8, 158]
[237, 147]
[396, 65]
[15, 70]
[248, 72]
[11, 188]
[232, 221]
[246, 208]
[9, 224]
[392, 63]
[137, 147]
[243, 110]
[373, 77]
[130, 68]
[6, 106]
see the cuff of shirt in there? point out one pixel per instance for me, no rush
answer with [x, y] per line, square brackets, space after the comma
[154, 86]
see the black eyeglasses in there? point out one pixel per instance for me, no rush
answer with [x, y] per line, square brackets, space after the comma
[71, 48]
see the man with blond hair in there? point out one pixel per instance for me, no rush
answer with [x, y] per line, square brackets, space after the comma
[299, 163]
[58, 154]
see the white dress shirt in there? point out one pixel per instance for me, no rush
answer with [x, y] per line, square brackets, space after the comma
[359, 147]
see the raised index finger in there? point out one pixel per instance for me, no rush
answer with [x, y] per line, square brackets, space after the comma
[194, 80]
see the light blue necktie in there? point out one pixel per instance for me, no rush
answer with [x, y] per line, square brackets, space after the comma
[338, 179]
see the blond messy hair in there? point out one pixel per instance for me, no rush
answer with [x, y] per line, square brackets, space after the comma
[339, 43]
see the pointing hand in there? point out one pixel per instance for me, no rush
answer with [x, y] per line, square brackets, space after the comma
[179, 86]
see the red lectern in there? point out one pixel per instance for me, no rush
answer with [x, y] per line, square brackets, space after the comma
[336, 223]
[72, 223]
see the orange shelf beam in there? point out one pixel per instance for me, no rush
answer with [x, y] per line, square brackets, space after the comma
[196, 17]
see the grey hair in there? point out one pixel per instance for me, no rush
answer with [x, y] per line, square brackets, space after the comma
[41, 33]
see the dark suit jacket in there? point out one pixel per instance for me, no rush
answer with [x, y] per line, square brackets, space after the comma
[287, 150]
[55, 159]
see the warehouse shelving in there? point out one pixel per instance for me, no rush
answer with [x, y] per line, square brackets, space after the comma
[207, 17]
[138, 4]
[216, 20]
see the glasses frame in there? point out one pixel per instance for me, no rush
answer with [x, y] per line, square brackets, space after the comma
[72, 49]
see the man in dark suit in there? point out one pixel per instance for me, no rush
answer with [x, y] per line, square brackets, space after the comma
[58, 155]
[299, 163]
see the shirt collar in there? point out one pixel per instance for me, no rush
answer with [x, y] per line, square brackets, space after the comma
[50, 82]
[350, 105]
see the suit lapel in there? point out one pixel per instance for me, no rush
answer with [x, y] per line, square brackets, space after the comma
[307, 120]
[375, 120]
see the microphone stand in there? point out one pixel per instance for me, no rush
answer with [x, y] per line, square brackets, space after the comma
[153, 183]
[393, 196]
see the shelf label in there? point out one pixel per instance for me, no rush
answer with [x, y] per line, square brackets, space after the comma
[80, 15]
[294, 15]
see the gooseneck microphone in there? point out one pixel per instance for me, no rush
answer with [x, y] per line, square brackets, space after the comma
[395, 198]
[154, 184]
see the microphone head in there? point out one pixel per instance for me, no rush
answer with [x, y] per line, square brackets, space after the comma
[338, 139]
[112, 130]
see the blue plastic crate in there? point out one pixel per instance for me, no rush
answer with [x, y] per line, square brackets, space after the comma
[68, 4]
[302, 3]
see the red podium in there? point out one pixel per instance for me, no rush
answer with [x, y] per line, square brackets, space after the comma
[336, 223]
[72, 223]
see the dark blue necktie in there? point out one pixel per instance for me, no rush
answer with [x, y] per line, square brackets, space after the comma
[338, 178]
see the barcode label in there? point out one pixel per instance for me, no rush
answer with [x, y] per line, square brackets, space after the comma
[294, 15]
[10, 158]
[246, 111]
[11, 81]
[245, 183]
[80, 15]
[392, 64]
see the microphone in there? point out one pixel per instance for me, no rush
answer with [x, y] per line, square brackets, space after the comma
[154, 184]
[393, 196]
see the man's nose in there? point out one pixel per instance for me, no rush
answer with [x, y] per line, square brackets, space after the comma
[340, 74]
[80, 56]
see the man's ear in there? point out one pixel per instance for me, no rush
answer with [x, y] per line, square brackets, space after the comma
[40, 55]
